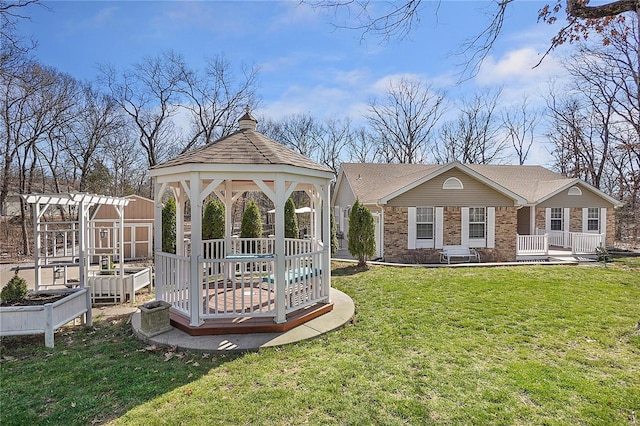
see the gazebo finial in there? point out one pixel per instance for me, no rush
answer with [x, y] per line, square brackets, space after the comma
[247, 121]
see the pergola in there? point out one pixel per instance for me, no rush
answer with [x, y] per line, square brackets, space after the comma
[233, 278]
[62, 245]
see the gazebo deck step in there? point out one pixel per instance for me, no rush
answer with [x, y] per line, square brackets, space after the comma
[249, 325]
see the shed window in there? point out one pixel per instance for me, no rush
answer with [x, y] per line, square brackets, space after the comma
[424, 223]
[477, 222]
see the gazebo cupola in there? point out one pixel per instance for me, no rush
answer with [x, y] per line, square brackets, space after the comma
[239, 279]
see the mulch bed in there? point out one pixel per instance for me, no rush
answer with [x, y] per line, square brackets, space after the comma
[37, 299]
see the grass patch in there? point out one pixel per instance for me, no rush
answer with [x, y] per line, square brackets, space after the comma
[523, 345]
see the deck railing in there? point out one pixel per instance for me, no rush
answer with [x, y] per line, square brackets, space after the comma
[172, 280]
[586, 243]
[533, 245]
[238, 287]
[303, 275]
[578, 242]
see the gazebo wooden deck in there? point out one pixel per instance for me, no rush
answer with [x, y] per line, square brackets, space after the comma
[235, 285]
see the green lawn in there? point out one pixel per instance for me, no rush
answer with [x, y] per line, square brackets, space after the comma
[522, 345]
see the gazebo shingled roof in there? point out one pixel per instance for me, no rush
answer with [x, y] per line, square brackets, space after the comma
[246, 146]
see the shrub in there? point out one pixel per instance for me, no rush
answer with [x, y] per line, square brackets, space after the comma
[251, 222]
[362, 242]
[602, 254]
[169, 226]
[291, 229]
[15, 290]
[334, 235]
[213, 220]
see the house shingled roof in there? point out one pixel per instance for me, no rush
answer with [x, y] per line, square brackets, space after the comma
[374, 181]
[245, 146]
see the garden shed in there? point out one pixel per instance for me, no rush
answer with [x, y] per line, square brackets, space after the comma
[236, 285]
[138, 226]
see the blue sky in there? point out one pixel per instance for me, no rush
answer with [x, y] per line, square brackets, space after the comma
[307, 65]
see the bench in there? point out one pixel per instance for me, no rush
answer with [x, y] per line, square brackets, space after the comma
[298, 289]
[463, 252]
[293, 276]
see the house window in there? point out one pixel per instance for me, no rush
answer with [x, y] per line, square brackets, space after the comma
[556, 219]
[593, 220]
[477, 222]
[424, 223]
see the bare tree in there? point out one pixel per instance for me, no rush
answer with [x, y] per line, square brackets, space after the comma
[335, 136]
[361, 146]
[404, 121]
[472, 138]
[215, 99]
[10, 13]
[520, 126]
[300, 132]
[34, 104]
[149, 94]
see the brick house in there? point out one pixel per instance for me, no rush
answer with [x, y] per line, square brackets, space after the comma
[505, 212]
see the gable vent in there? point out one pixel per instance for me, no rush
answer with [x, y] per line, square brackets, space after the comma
[574, 190]
[452, 183]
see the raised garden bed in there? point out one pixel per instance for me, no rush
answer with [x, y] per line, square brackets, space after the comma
[45, 318]
[107, 288]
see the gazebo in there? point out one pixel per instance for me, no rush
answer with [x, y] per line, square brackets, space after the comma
[235, 285]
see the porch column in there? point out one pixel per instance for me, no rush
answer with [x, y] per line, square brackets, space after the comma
[532, 220]
[279, 201]
[195, 286]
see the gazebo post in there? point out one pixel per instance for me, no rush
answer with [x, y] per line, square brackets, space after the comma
[279, 202]
[228, 219]
[83, 261]
[179, 195]
[326, 238]
[157, 235]
[195, 287]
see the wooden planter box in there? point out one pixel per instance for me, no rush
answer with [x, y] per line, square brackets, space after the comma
[45, 319]
[154, 318]
[108, 289]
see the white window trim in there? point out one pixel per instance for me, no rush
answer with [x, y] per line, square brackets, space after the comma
[412, 232]
[489, 230]
[477, 242]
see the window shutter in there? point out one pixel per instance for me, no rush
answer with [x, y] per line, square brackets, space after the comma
[411, 231]
[439, 243]
[465, 226]
[566, 216]
[585, 219]
[491, 227]
[603, 223]
[547, 219]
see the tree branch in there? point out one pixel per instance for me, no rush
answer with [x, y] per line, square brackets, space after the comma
[579, 8]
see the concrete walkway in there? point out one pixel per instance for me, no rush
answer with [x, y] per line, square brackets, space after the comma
[343, 311]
